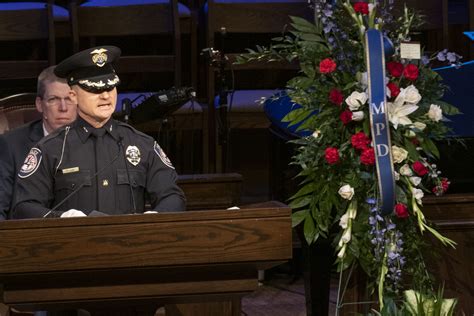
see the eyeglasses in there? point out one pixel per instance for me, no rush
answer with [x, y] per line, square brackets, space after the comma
[56, 101]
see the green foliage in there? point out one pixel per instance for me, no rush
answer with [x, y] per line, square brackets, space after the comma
[336, 176]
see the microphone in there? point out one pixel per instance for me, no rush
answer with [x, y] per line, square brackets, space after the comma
[127, 108]
[161, 104]
[54, 211]
[120, 142]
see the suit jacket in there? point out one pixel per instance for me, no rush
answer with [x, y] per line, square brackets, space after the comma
[15, 145]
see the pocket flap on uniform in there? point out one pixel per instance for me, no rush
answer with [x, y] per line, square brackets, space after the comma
[73, 180]
[137, 178]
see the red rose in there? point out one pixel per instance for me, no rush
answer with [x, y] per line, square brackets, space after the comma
[419, 168]
[442, 187]
[415, 141]
[411, 72]
[361, 7]
[394, 89]
[331, 154]
[401, 210]
[346, 117]
[445, 184]
[395, 69]
[360, 140]
[336, 96]
[327, 66]
[368, 157]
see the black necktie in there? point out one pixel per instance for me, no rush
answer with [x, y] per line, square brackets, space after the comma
[98, 134]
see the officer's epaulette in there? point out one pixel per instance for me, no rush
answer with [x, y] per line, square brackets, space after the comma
[134, 130]
[55, 134]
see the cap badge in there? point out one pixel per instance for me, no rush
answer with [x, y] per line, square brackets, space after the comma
[133, 155]
[99, 57]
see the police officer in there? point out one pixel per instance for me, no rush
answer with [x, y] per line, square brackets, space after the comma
[57, 109]
[95, 165]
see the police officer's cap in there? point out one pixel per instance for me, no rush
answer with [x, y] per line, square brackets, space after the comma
[91, 69]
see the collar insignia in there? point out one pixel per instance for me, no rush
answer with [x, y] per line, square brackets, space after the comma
[133, 155]
[99, 57]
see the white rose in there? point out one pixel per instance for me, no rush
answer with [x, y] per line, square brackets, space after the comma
[409, 94]
[418, 194]
[344, 220]
[435, 113]
[358, 116]
[399, 154]
[419, 125]
[415, 180]
[405, 170]
[346, 192]
[356, 99]
[316, 133]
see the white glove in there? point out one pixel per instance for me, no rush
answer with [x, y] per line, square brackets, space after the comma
[73, 213]
[150, 212]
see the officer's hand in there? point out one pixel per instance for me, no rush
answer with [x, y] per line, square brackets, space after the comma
[150, 212]
[73, 213]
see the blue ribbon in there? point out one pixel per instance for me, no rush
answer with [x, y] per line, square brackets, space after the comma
[375, 60]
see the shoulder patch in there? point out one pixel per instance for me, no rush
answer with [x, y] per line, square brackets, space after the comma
[31, 164]
[162, 155]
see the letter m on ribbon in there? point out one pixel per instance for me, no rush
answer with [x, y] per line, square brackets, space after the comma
[375, 60]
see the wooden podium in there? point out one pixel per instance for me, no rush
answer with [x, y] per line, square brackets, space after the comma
[145, 261]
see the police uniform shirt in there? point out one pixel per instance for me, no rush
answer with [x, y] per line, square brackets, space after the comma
[101, 170]
[15, 145]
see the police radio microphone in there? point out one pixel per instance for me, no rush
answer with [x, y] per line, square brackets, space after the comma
[132, 196]
[54, 211]
[161, 104]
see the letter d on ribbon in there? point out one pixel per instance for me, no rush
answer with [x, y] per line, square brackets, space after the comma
[375, 60]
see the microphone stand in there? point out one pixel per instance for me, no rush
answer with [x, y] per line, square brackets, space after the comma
[223, 131]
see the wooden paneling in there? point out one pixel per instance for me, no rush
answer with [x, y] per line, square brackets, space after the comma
[211, 191]
[142, 260]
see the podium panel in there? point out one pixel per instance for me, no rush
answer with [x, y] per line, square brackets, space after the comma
[141, 259]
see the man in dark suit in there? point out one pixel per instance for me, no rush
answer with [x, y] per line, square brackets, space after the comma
[57, 109]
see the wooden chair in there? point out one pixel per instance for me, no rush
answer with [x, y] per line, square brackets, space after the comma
[22, 27]
[246, 19]
[124, 21]
[17, 110]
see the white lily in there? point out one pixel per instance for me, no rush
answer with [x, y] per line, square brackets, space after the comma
[398, 112]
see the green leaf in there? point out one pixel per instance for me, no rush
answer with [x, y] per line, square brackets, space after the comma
[296, 116]
[304, 25]
[430, 146]
[300, 202]
[305, 190]
[310, 37]
[298, 217]
[309, 229]
[411, 149]
[447, 108]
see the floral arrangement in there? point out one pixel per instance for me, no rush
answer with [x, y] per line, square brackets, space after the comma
[338, 195]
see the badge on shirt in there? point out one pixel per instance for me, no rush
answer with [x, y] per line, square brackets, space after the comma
[31, 164]
[133, 155]
[162, 155]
